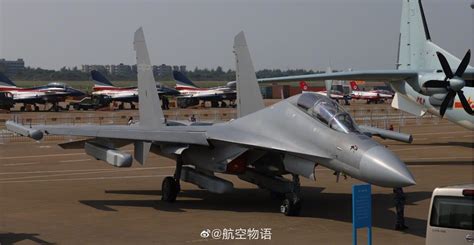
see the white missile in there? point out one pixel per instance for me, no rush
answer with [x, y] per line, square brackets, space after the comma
[110, 156]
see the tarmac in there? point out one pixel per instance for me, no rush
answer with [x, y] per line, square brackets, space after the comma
[54, 196]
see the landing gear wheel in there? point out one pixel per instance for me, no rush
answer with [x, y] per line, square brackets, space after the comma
[169, 189]
[291, 207]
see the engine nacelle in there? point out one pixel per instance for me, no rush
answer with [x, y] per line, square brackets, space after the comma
[300, 166]
[422, 79]
[110, 156]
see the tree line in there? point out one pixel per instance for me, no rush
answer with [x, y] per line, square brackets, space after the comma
[198, 74]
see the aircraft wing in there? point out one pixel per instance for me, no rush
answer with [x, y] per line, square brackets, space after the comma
[133, 133]
[368, 75]
[378, 75]
[248, 140]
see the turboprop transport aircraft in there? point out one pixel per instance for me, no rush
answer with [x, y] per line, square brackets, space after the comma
[260, 146]
[424, 80]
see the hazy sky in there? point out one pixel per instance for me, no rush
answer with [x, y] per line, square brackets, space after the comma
[280, 33]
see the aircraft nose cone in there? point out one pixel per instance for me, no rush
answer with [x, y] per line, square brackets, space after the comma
[381, 167]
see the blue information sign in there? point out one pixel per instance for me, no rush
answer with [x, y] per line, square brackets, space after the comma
[361, 210]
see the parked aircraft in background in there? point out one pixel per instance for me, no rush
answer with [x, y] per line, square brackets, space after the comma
[424, 80]
[372, 96]
[102, 86]
[315, 129]
[334, 94]
[52, 93]
[191, 91]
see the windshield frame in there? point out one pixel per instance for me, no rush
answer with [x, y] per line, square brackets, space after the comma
[327, 112]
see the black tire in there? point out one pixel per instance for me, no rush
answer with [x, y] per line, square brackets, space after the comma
[291, 207]
[169, 189]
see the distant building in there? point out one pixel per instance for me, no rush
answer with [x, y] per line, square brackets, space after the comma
[120, 69]
[11, 67]
[99, 68]
[162, 70]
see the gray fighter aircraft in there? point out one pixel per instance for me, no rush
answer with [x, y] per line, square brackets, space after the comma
[260, 146]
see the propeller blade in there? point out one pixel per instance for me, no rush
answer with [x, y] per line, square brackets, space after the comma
[445, 65]
[463, 65]
[435, 84]
[464, 102]
[444, 106]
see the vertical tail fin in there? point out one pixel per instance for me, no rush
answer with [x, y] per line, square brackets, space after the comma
[100, 80]
[249, 97]
[5, 81]
[182, 80]
[416, 50]
[328, 83]
[151, 115]
[304, 86]
[354, 86]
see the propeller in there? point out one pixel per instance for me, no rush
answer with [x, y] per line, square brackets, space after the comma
[452, 82]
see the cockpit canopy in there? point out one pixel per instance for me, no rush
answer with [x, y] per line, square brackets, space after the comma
[57, 85]
[327, 111]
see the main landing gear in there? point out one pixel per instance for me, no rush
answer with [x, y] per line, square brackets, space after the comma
[170, 186]
[292, 203]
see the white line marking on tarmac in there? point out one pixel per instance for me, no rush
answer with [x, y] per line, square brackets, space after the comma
[48, 155]
[79, 179]
[455, 132]
[435, 158]
[83, 170]
[420, 139]
[20, 164]
[86, 170]
[77, 160]
[422, 148]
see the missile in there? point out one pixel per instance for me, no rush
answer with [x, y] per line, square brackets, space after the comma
[24, 131]
[110, 156]
[211, 183]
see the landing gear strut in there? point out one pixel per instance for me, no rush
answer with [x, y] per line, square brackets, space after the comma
[292, 204]
[171, 187]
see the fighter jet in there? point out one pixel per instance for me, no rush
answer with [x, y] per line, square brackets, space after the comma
[52, 93]
[190, 90]
[260, 146]
[424, 80]
[102, 85]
